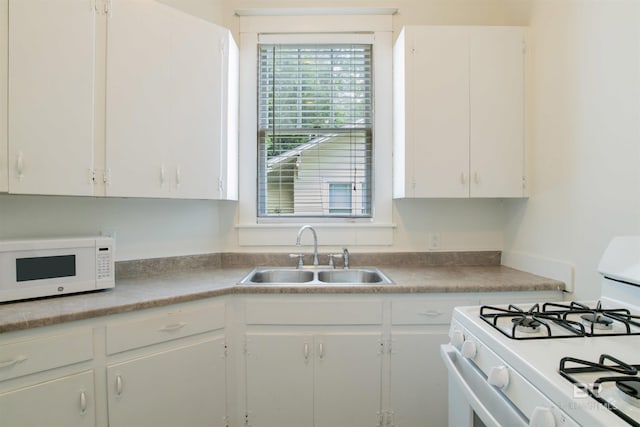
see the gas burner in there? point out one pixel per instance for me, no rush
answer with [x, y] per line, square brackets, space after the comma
[597, 321]
[526, 324]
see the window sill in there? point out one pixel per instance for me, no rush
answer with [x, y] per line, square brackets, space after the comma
[328, 234]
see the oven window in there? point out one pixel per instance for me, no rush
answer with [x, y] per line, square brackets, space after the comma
[48, 267]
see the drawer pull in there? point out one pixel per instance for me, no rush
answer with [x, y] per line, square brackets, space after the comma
[321, 352]
[431, 313]
[83, 402]
[173, 327]
[14, 361]
[118, 385]
[306, 352]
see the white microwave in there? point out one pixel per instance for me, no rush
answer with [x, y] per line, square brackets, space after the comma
[45, 267]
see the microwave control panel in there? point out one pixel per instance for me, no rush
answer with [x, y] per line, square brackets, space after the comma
[104, 263]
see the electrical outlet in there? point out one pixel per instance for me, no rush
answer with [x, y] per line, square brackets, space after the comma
[435, 240]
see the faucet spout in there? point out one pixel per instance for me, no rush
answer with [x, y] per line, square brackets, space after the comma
[315, 242]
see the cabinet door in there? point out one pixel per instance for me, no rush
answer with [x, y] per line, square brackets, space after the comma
[497, 111]
[279, 379]
[51, 96]
[418, 378]
[137, 100]
[64, 402]
[4, 161]
[157, 391]
[165, 99]
[437, 91]
[348, 375]
[195, 96]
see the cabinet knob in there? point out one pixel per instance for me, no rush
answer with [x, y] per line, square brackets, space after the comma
[119, 385]
[83, 402]
[163, 175]
[20, 165]
[306, 352]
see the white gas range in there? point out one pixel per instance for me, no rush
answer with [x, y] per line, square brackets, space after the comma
[549, 364]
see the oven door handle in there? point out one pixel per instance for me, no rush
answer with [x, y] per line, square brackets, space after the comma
[449, 355]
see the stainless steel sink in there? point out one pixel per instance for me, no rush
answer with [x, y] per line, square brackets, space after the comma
[281, 276]
[315, 276]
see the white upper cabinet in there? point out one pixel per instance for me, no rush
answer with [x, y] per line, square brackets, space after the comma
[4, 37]
[496, 88]
[117, 98]
[166, 103]
[459, 112]
[51, 53]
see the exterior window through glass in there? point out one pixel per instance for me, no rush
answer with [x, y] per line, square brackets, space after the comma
[314, 130]
[340, 198]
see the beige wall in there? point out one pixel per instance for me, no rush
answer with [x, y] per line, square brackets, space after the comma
[584, 135]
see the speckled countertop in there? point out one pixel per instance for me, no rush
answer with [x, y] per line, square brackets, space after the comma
[143, 285]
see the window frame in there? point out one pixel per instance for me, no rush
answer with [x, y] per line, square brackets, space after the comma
[260, 231]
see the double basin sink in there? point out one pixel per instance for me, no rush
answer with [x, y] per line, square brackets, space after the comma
[315, 276]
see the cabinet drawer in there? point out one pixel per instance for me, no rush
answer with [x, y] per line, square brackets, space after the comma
[43, 352]
[314, 312]
[143, 331]
[425, 311]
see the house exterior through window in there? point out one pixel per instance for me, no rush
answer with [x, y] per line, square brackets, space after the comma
[315, 130]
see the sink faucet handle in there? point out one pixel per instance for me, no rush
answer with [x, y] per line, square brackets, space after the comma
[345, 257]
[300, 259]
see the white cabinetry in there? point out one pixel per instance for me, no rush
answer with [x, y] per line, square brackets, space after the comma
[133, 100]
[459, 112]
[51, 96]
[297, 375]
[4, 39]
[40, 383]
[166, 100]
[418, 381]
[178, 384]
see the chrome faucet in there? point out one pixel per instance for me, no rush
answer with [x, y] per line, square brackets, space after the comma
[315, 242]
[345, 258]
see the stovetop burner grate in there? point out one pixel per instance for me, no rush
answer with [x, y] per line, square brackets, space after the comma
[558, 320]
[521, 319]
[627, 381]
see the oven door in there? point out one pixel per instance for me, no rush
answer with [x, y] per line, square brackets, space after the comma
[472, 401]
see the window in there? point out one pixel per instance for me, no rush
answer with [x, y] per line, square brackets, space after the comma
[340, 197]
[314, 128]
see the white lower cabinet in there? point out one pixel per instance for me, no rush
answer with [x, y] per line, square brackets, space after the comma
[168, 367]
[62, 402]
[181, 386]
[418, 394]
[418, 380]
[46, 378]
[314, 362]
[321, 380]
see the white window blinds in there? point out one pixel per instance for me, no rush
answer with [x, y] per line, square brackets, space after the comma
[314, 130]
